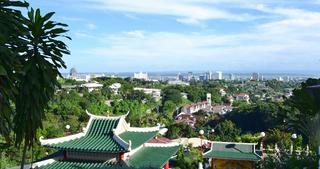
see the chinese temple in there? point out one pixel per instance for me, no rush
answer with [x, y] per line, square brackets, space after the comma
[109, 142]
[224, 155]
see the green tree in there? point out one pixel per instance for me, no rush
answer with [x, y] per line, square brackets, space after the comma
[177, 130]
[173, 95]
[227, 131]
[11, 42]
[38, 53]
[306, 117]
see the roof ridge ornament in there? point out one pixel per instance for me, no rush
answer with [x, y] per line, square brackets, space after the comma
[106, 117]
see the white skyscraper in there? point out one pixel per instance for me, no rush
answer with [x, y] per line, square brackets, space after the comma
[219, 75]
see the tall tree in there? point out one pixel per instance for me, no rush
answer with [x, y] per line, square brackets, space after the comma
[11, 42]
[306, 102]
[31, 54]
[41, 61]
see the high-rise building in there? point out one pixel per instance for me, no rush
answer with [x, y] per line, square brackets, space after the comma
[141, 76]
[179, 76]
[202, 77]
[190, 76]
[231, 76]
[219, 75]
[255, 77]
[208, 75]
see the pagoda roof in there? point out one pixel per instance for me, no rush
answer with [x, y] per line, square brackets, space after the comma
[153, 155]
[149, 156]
[104, 134]
[137, 138]
[233, 151]
[99, 138]
[79, 164]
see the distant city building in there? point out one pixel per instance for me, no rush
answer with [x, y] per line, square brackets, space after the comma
[92, 86]
[243, 97]
[190, 76]
[255, 77]
[208, 75]
[115, 88]
[178, 82]
[280, 79]
[141, 76]
[83, 78]
[155, 93]
[219, 75]
[231, 76]
[202, 77]
[73, 73]
[179, 76]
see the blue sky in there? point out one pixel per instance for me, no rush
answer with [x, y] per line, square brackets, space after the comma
[182, 35]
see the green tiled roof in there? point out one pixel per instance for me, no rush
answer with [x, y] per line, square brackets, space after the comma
[98, 138]
[152, 157]
[232, 151]
[83, 165]
[137, 138]
[233, 156]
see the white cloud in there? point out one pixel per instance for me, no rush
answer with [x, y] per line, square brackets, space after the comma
[239, 51]
[189, 11]
[91, 26]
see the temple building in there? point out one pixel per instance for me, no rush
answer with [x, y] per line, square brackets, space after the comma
[225, 155]
[109, 142]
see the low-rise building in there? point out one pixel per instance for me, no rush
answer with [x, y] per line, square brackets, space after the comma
[92, 86]
[155, 93]
[221, 109]
[186, 118]
[115, 88]
[243, 97]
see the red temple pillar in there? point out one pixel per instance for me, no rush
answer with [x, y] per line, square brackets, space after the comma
[121, 156]
[166, 165]
[212, 163]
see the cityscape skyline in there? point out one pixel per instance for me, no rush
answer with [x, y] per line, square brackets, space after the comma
[132, 36]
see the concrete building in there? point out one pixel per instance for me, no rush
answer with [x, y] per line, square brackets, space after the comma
[115, 88]
[255, 77]
[231, 76]
[141, 76]
[190, 76]
[155, 93]
[178, 82]
[243, 97]
[195, 107]
[208, 75]
[219, 75]
[179, 76]
[92, 86]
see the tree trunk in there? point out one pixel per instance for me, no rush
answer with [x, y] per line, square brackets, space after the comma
[23, 160]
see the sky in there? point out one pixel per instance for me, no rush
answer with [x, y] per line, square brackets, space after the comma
[186, 35]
